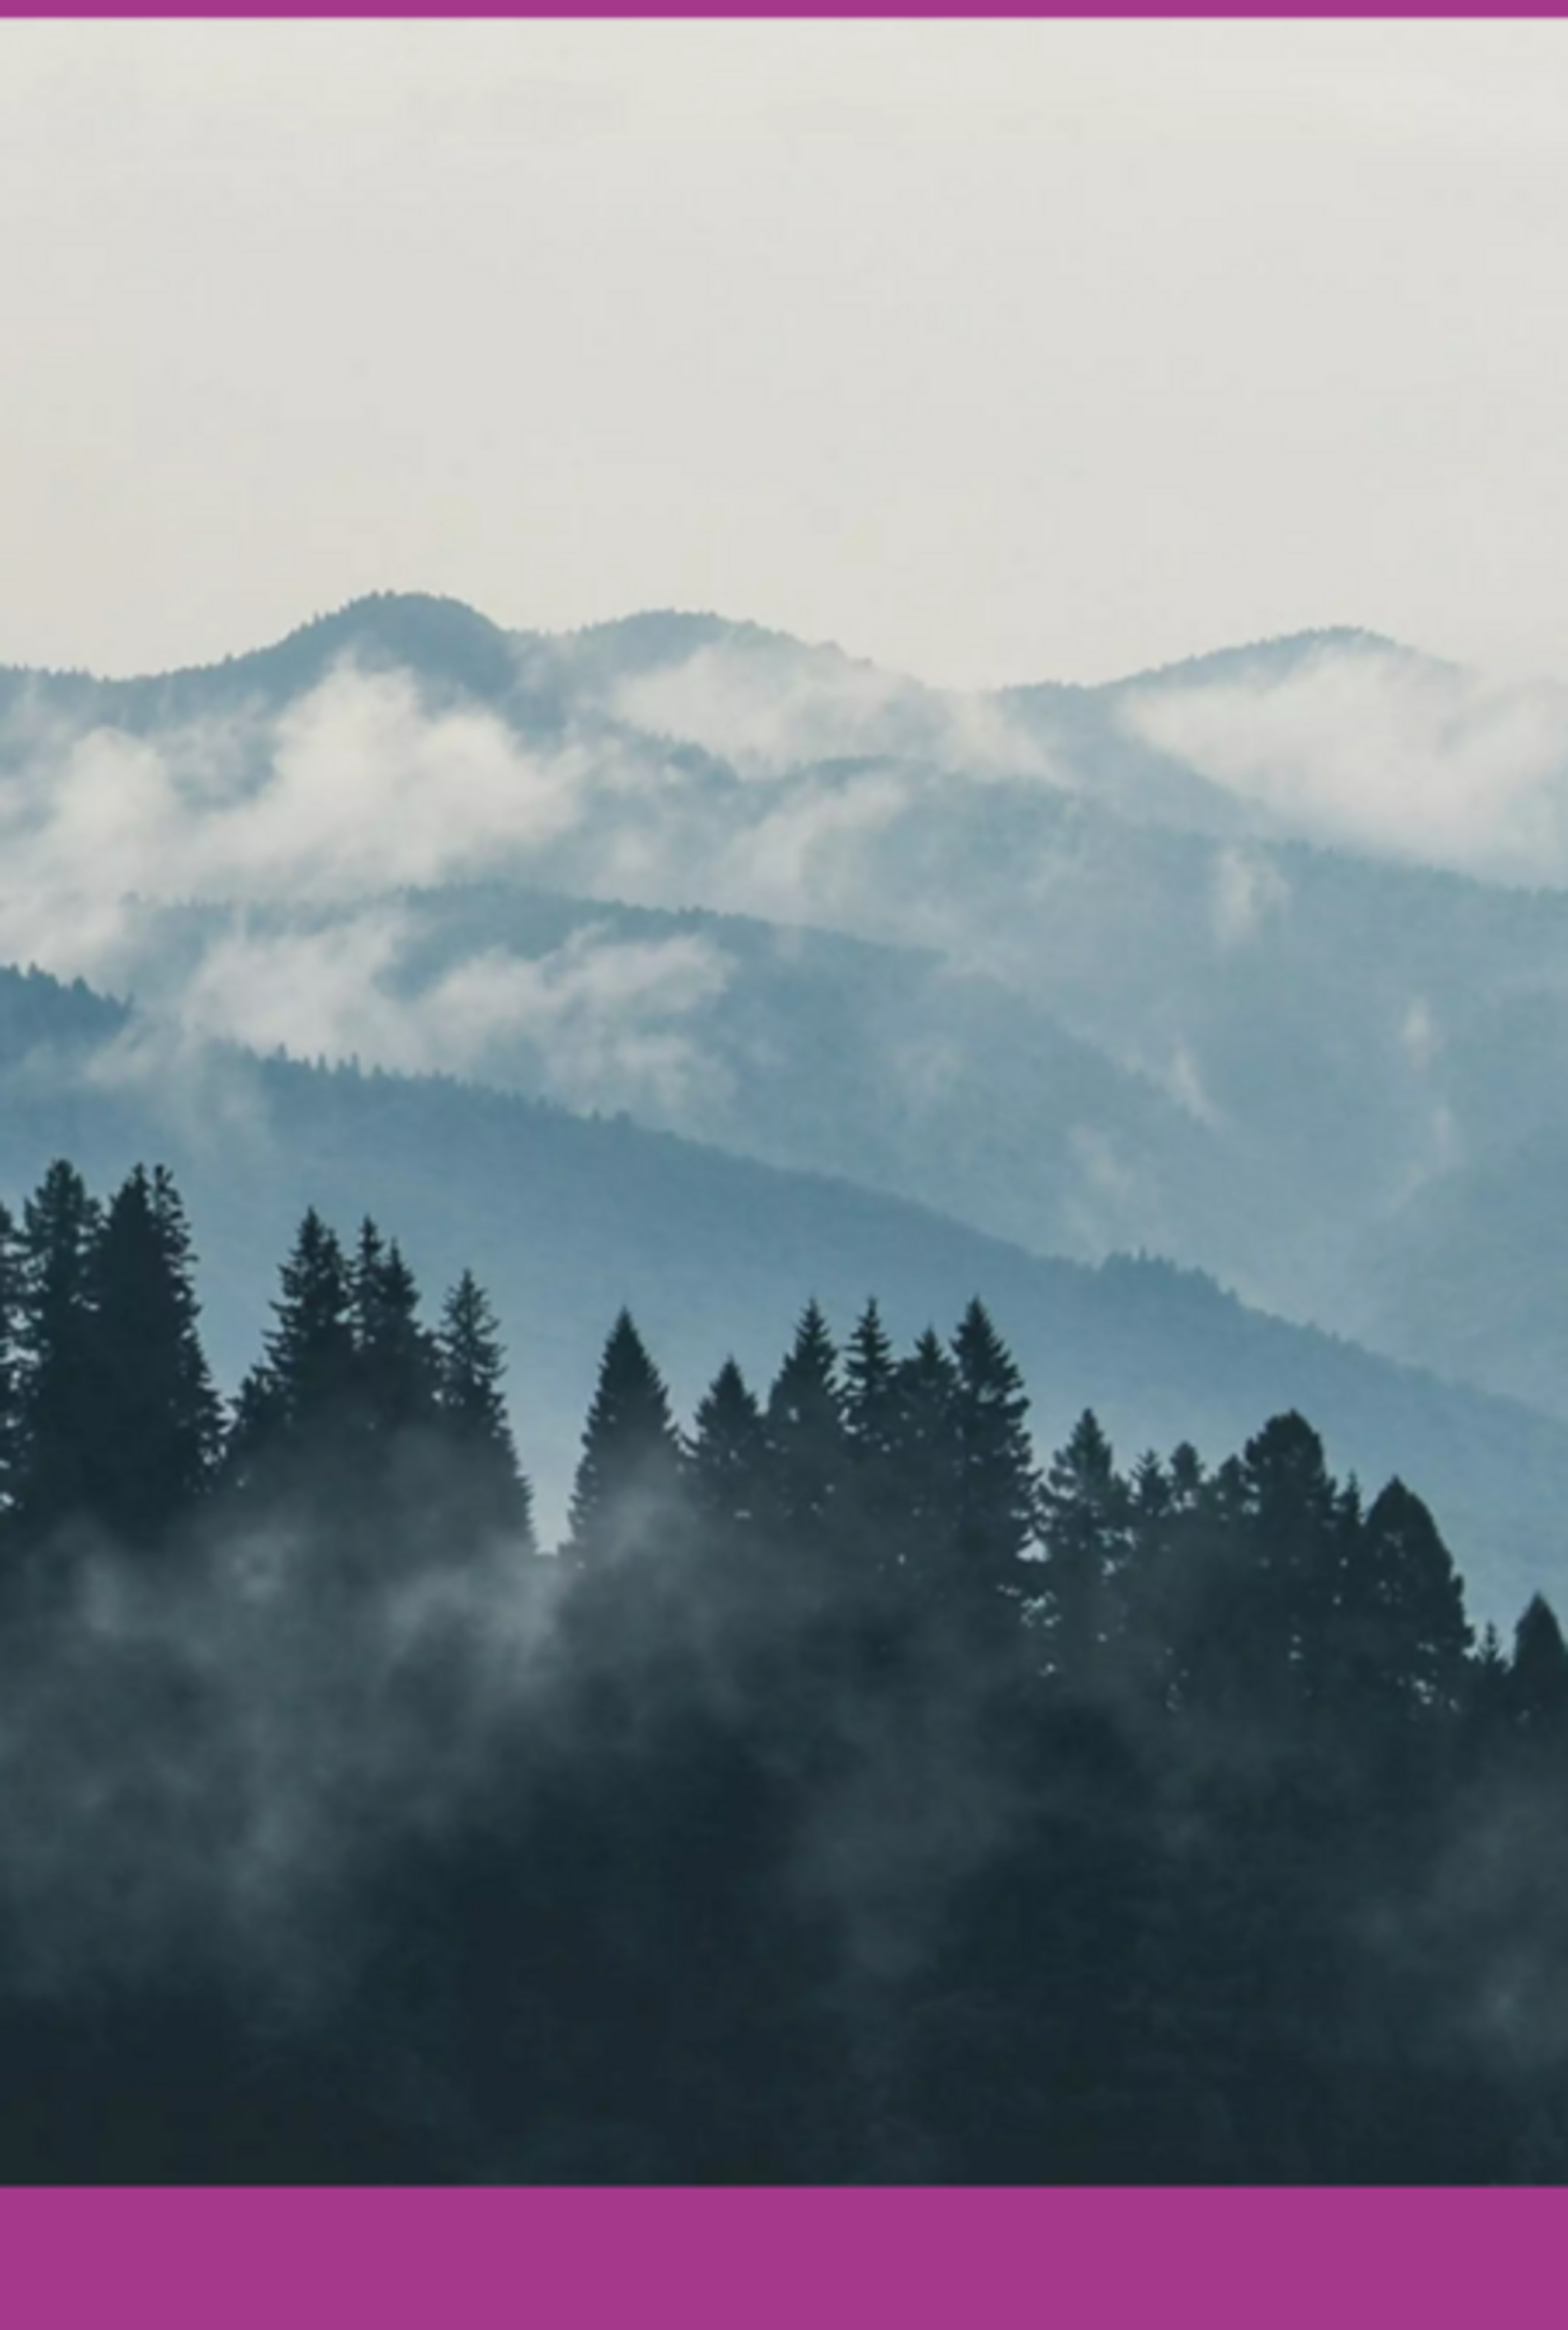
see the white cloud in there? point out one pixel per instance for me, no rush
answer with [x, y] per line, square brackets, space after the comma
[368, 790]
[605, 1016]
[598, 1022]
[792, 861]
[1182, 1080]
[355, 789]
[765, 704]
[1247, 889]
[1377, 749]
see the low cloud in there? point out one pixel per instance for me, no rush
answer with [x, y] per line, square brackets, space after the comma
[767, 704]
[1376, 749]
[1183, 1079]
[1248, 890]
[205, 1762]
[353, 789]
[597, 1022]
[354, 792]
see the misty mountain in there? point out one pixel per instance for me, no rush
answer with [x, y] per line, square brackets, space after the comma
[565, 1217]
[800, 1047]
[1056, 961]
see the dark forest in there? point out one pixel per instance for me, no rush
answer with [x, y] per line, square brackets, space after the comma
[849, 1798]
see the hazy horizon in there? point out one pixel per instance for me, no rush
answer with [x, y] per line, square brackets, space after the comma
[992, 352]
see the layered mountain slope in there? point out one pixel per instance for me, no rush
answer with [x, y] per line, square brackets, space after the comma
[564, 1218]
[1109, 1010]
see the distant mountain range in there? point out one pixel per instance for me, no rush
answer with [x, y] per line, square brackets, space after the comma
[565, 1217]
[1086, 970]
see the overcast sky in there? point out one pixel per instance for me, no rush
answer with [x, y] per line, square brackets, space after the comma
[991, 350]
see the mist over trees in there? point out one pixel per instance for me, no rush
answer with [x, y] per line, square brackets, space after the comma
[853, 1795]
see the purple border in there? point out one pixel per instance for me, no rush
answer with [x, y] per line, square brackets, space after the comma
[778, 2260]
[571, 2260]
[821, 11]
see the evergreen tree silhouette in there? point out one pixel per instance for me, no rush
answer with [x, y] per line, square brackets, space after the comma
[923, 1467]
[470, 1365]
[310, 1350]
[995, 1506]
[729, 1462]
[870, 1402]
[1538, 1673]
[876, 1488]
[630, 1474]
[1085, 1515]
[1297, 1528]
[1400, 1618]
[808, 1453]
[1158, 1597]
[296, 1402]
[56, 1419]
[397, 1368]
[12, 1331]
[157, 1422]
[1143, 1584]
[1487, 1691]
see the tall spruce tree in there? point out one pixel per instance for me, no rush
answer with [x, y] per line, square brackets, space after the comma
[1159, 1597]
[807, 1448]
[470, 1365]
[297, 1401]
[876, 1494]
[1399, 1617]
[1297, 1528]
[870, 1402]
[10, 1364]
[396, 1366]
[996, 1486]
[923, 1466]
[1538, 1673]
[729, 1462]
[630, 1475]
[55, 1407]
[157, 1418]
[1085, 1516]
[310, 1350]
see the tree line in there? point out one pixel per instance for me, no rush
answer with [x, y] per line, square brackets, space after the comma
[891, 1806]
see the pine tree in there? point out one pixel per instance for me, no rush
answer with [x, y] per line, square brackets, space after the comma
[729, 1461]
[808, 1452]
[630, 1475]
[996, 1486]
[396, 1366]
[298, 1399]
[876, 1490]
[1487, 1689]
[1085, 1513]
[1400, 1618]
[924, 1459]
[1142, 1578]
[1296, 1527]
[61, 1226]
[310, 1352]
[870, 1389]
[470, 1365]
[11, 1327]
[1538, 1673]
[157, 1418]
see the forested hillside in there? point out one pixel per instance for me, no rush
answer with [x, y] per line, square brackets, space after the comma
[851, 1796]
[565, 1217]
[1090, 969]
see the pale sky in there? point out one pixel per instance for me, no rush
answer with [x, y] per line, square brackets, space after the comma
[991, 350]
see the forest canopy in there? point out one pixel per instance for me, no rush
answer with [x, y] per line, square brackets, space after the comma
[849, 1796]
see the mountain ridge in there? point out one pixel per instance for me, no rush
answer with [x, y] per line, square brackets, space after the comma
[360, 615]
